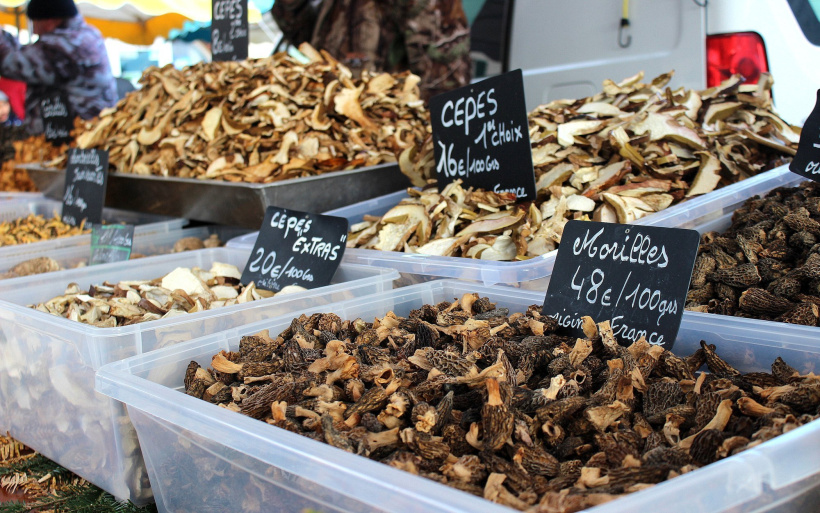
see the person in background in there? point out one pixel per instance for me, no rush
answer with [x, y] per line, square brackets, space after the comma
[16, 91]
[7, 116]
[69, 57]
[431, 38]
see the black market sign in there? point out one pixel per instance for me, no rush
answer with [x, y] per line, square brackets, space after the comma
[807, 160]
[57, 119]
[229, 30]
[111, 243]
[296, 248]
[86, 176]
[481, 136]
[635, 277]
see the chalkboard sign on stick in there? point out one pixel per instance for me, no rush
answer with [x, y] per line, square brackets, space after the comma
[111, 243]
[807, 161]
[635, 277]
[481, 136]
[57, 119]
[86, 176]
[296, 248]
[229, 30]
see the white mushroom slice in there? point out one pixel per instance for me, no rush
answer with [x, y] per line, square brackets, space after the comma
[568, 131]
[502, 249]
[663, 126]
[720, 111]
[226, 270]
[599, 108]
[708, 175]
[223, 292]
[555, 176]
[605, 214]
[658, 201]
[580, 203]
[184, 279]
[628, 209]
[439, 247]
[539, 245]
[291, 289]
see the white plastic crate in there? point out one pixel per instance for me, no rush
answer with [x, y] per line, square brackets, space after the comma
[148, 244]
[200, 456]
[47, 367]
[530, 274]
[144, 224]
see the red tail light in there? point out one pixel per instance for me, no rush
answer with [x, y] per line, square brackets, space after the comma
[727, 54]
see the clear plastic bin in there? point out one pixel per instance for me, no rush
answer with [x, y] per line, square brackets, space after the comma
[47, 397]
[530, 274]
[202, 457]
[20, 196]
[144, 224]
[148, 244]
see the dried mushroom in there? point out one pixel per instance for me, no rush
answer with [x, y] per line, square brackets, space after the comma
[18, 148]
[259, 120]
[181, 291]
[501, 406]
[766, 265]
[628, 152]
[36, 228]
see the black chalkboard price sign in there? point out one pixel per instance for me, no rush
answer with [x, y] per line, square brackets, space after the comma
[229, 30]
[57, 119]
[807, 161]
[86, 176]
[111, 243]
[296, 248]
[481, 136]
[636, 277]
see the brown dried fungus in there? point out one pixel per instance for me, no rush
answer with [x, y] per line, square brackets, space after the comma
[766, 265]
[260, 120]
[509, 418]
[630, 151]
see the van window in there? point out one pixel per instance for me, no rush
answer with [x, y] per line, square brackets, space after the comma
[807, 13]
[489, 24]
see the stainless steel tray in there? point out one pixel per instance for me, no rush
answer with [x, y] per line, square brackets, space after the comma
[230, 203]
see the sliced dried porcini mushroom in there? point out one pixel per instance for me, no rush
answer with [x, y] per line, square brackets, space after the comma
[708, 175]
[663, 126]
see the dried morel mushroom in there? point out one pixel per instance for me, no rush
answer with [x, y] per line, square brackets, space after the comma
[618, 156]
[518, 415]
[36, 228]
[260, 120]
[181, 291]
[766, 265]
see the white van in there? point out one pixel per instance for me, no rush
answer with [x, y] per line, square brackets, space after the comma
[566, 48]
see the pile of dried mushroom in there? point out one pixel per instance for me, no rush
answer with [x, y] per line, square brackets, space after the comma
[500, 406]
[620, 155]
[36, 228]
[179, 292]
[766, 265]
[259, 120]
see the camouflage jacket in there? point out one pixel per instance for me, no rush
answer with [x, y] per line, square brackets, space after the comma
[431, 38]
[71, 59]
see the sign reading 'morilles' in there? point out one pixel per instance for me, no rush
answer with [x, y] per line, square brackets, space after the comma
[635, 277]
[229, 30]
[481, 136]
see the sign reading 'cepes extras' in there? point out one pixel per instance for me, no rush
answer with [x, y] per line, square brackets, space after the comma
[481, 136]
[635, 277]
[296, 248]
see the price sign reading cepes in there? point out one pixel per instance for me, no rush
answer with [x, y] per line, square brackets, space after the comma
[481, 136]
[296, 248]
[229, 30]
[807, 161]
[635, 277]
